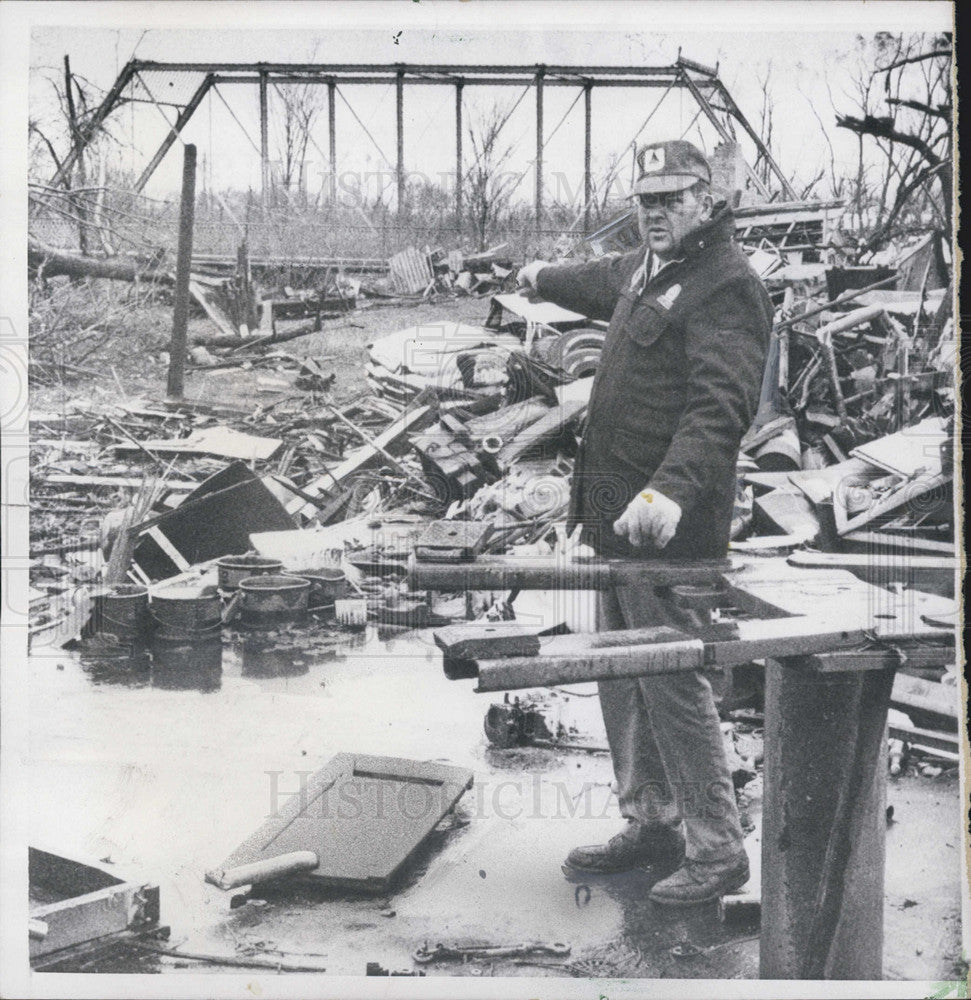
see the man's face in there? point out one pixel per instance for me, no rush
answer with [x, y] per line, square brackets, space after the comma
[665, 219]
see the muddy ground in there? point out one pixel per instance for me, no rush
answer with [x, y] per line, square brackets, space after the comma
[164, 769]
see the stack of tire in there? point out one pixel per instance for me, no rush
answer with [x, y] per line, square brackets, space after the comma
[578, 351]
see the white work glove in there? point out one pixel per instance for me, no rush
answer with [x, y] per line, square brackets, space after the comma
[526, 278]
[649, 517]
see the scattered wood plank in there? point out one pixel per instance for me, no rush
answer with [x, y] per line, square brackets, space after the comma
[201, 294]
[116, 482]
[912, 451]
[925, 696]
[411, 271]
[899, 543]
[410, 420]
[223, 442]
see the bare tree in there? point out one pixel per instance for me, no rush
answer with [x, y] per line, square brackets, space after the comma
[904, 105]
[301, 108]
[488, 187]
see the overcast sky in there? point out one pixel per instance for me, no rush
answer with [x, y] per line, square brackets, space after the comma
[807, 51]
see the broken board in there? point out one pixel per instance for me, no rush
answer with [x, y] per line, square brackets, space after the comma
[452, 541]
[222, 442]
[363, 817]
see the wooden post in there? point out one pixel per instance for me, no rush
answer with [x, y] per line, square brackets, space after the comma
[824, 822]
[587, 184]
[458, 157]
[400, 114]
[538, 208]
[180, 315]
[264, 143]
[332, 129]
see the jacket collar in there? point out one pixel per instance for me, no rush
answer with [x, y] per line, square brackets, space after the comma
[720, 228]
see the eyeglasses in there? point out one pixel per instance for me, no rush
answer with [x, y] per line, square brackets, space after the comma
[665, 200]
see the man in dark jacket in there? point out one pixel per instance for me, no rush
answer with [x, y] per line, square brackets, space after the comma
[677, 387]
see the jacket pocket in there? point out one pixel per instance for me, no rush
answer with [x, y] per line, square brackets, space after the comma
[642, 450]
[647, 321]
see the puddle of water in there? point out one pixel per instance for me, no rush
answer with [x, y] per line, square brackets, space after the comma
[167, 758]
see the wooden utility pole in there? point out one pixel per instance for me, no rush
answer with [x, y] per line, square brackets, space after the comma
[458, 156]
[587, 183]
[180, 314]
[332, 136]
[538, 208]
[400, 116]
[264, 143]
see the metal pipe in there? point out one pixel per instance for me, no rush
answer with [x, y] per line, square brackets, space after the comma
[180, 315]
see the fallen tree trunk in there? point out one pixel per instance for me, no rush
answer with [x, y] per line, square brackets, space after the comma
[55, 262]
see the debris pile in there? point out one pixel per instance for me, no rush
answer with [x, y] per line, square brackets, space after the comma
[849, 456]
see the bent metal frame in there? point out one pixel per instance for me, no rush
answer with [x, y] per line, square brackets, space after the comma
[702, 83]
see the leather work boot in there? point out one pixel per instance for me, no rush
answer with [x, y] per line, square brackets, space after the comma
[701, 881]
[635, 846]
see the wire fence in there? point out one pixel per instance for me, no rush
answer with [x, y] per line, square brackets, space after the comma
[105, 222]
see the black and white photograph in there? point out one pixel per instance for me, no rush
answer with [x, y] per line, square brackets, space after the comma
[482, 508]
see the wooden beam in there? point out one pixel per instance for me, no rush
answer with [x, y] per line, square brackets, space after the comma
[823, 853]
[360, 459]
[572, 659]
[569, 659]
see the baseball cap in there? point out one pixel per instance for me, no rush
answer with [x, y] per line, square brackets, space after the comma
[670, 166]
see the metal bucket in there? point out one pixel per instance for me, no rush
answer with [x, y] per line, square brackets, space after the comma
[326, 586]
[233, 569]
[120, 609]
[187, 613]
[271, 600]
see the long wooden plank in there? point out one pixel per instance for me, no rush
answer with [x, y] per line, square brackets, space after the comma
[363, 816]
[552, 573]
[117, 482]
[568, 659]
[572, 659]
[360, 458]
[927, 696]
[873, 560]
